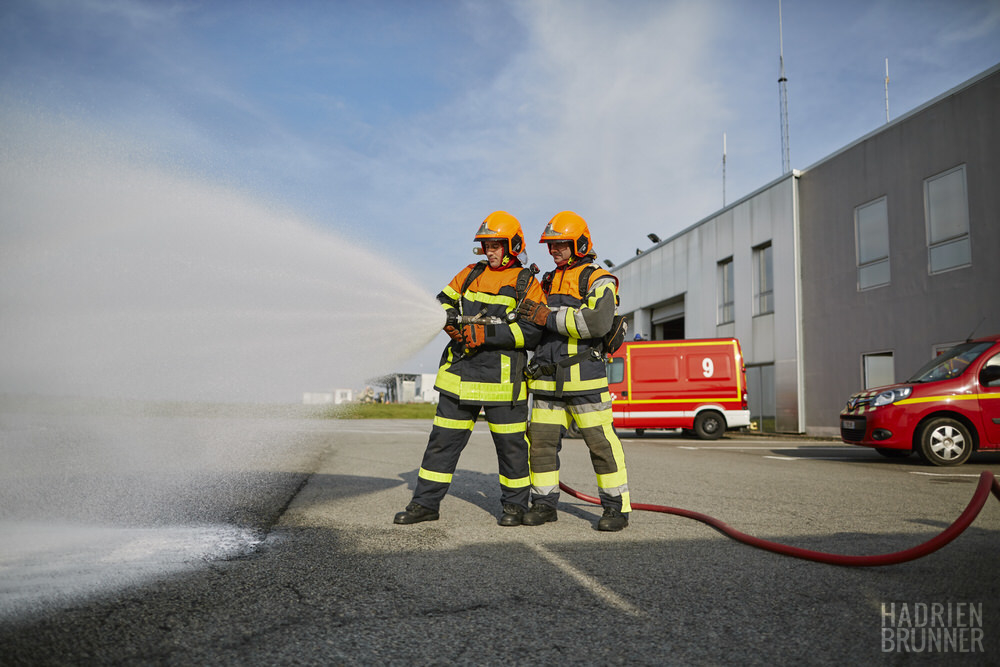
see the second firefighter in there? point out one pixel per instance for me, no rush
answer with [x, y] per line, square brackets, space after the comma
[568, 376]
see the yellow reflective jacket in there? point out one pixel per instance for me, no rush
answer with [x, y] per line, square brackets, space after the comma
[577, 324]
[492, 374]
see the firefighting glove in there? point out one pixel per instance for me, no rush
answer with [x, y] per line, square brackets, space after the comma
[533, 312]
[451, 327]
[474, 334]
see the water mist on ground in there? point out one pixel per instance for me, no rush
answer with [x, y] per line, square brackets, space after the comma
[124, 285]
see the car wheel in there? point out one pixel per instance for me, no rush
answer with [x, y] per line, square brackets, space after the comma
[893, 453]
[709, 425]
[639, 432]
[945, 442]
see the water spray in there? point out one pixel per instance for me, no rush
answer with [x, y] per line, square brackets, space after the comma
[121, 278]
[159, 329]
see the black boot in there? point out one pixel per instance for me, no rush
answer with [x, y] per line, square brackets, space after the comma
[539, 514]
[612, 520]
[512, 515]
[415, 513]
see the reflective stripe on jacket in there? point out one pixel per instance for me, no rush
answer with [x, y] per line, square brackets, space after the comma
[494, 372]
[576, 324]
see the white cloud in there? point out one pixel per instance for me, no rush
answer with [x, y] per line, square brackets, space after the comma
[602, 113]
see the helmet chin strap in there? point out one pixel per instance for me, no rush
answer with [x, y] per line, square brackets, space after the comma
[507, 260]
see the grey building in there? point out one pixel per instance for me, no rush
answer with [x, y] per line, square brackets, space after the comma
[848, 274]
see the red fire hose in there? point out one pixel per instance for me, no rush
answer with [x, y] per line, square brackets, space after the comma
[986, 483]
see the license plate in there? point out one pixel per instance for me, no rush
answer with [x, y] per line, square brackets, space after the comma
[847, 423]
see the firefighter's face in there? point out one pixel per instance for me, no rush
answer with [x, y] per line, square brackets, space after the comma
[495, 251]
[561, 252]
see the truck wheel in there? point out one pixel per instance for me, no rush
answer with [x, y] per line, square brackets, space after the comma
[709, 425]
[945, 442]
[893, 453]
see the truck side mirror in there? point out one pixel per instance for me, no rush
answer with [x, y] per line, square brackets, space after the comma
[990, 376]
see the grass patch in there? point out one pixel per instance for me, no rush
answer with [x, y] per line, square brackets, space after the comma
[382, 411]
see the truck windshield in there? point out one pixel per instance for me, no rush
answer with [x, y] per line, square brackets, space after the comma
[950, 363]
[616, 370]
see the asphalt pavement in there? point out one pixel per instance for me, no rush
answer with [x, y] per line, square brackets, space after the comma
[298, 562]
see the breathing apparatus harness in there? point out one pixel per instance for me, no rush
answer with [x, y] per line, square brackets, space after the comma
[520, 292]
[524, 277]
[609, 343]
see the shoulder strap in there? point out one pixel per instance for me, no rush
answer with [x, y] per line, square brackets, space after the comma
[585, 275]
[585, 279]
[521, 288]
[473, 274]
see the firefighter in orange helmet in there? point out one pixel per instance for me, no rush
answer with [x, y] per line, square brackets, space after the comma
[482, 368]
[568, 376]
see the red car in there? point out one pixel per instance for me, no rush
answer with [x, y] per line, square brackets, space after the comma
[947, 410]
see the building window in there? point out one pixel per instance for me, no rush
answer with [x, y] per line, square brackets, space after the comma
[763, 280]
[946, 207]
[871, 225]
[879, 369]
[941, 348]
[726, 308]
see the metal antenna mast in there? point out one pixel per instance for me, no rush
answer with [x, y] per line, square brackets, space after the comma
[887, 90]
[723, 170]
[783, 92]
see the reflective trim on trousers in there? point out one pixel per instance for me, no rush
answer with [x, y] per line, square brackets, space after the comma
[449, 436]
[457, 424]
[431, 476]
[519, 483]
[519, 427]
[548, 418]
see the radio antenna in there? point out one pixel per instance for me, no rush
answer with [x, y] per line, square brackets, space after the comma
[783, 93]
[723, 170]
[887, 90]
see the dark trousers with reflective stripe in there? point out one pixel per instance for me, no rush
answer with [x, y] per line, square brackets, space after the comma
[550, 417]
[450, 434]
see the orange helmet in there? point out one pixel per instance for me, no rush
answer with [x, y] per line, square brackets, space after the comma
[568, 226]
[502, 226]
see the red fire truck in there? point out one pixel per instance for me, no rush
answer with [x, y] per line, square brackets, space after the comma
[696, 385]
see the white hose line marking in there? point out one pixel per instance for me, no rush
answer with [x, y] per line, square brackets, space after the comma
[588, 582]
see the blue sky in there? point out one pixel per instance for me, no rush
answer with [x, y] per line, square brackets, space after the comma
[403, 123]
